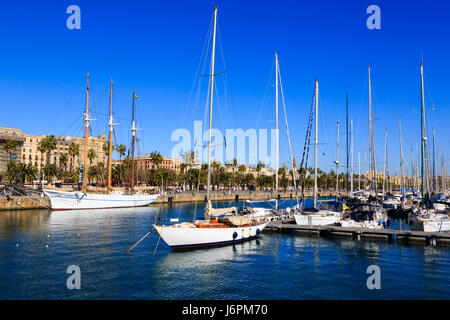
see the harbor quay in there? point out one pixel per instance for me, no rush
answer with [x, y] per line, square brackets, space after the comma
[36, 201]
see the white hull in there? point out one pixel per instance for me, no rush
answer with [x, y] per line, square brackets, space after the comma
[436, 226]
[190, 236]
[62, 200]
[372, 224]
[316, 219]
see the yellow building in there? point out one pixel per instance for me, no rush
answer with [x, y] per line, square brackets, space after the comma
[27, 150]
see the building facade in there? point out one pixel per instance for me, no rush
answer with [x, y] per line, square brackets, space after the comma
[27, 150]
[10, 134]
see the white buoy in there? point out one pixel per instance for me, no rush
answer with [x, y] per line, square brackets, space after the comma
[46, 245]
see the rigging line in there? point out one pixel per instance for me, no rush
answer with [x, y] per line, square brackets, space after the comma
[265, 94]
[70, 127]
[225, 65]
[219, 108]
[200, 66]
[63, 107]
[287, 132]
[323, 120]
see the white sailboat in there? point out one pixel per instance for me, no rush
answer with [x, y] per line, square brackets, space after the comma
[423, 218]
[212, 230]
[326, 213]
[67, 200]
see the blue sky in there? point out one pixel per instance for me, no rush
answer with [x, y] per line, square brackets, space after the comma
[156, 46]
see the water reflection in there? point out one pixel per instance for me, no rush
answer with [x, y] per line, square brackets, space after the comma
[274, 266]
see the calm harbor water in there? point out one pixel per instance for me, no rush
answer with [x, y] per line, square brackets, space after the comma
[36, 247]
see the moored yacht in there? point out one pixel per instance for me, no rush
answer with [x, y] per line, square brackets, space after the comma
[212, 230]
[72, 200]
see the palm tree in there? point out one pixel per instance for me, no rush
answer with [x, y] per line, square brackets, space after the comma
[91, 155]
[157, 158]
[63, 161]
[105, 147]
[10, 146]
[188, 158]
[260, 166]
[48, 144]
[121, 150]
[74, 150]
[42, 150]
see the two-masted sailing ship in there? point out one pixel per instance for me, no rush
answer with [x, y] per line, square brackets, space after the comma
[213, 229]
[67, 200]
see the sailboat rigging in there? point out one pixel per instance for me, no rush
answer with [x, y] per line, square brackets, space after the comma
[67, 200]
[212, 230]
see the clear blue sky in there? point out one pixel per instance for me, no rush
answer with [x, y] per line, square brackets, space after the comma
[156, 46]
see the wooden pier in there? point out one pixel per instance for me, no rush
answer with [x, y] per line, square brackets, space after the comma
[393, 235]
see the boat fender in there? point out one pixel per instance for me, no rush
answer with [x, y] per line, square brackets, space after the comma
[258, 231]
[235, 235]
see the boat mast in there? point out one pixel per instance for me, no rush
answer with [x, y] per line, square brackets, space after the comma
[111, 127]
[372, 143]
[213, 53]
[337, 162]
[133, 134]
[315, 144]
[434, 165]
[289, 141]
[359, 171]
[346, 132]
[385, 164]
[422, 129]
[351, 154]
[276, 122]
[87, 120]
[402, 181]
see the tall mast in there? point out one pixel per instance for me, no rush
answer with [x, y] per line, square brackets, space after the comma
[351, 153]
[385, 164]
[402, 184]
[111, 127]
[434, 164]
[337, 162]
[213, 53]
[413, 173]
[346, 132]
[289, 141]
[422, 129]
[87, 120]
[359, 171]
[133, 134]
[315, 143]
[276, 122]
[371, 141]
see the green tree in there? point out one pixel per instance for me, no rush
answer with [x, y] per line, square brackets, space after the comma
[156, 158]
[48, 143]
[91, 155]
[10, 146]
[105, 147]
[121, 150]
[74, 150]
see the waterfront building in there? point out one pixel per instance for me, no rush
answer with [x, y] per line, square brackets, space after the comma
[5, 135]
[27, 150]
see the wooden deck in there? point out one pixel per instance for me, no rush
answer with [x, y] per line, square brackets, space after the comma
[394, 235]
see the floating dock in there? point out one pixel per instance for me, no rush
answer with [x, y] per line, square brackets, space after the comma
[392, 235]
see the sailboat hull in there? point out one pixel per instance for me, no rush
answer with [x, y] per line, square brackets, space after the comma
[61, 200]
[186, 238]
[316, 219]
